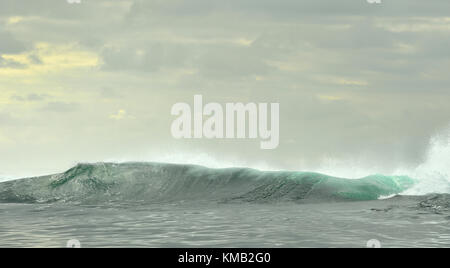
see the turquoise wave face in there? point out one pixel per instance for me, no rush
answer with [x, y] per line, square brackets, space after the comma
[155, 182]
[371, 187]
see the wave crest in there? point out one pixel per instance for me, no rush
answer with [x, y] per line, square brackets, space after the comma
[157, 182]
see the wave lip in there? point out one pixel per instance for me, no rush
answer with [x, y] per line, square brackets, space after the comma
[102, 183]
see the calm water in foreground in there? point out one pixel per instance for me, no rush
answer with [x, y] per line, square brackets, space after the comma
[396, 222]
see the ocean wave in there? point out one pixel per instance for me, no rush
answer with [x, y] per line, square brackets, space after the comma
[102, 183]
[433, 175]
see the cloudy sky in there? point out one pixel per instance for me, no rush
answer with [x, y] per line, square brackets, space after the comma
[358, 83]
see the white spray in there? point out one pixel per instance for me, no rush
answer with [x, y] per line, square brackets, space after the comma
[433, 174]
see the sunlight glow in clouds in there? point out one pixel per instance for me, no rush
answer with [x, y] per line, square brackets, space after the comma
[46, 58]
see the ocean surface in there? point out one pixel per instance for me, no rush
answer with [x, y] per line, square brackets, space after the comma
[169, 205]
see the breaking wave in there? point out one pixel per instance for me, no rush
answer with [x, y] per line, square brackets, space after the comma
[132, 182]
[103, 183]
[433, 175]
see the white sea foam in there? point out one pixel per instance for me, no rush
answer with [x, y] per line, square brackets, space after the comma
[433, 174]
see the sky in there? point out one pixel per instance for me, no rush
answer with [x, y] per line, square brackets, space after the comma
[358, 84]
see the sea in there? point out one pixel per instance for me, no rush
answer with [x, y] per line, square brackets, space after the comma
[150, 204]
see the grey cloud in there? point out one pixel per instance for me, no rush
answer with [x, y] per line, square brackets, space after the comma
[226, 62]
[8, 43]
[6, 119]
[291, 9]
[60, 107]
[31, 97]
[109, 93]
[148, 57]
[35, 59]
[60, 9]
